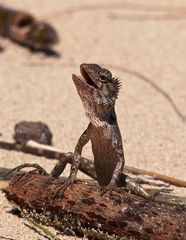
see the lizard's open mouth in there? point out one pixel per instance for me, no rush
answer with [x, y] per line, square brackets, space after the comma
[85, 77]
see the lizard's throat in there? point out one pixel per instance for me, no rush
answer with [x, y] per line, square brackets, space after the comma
[98, 108]
[99, 117]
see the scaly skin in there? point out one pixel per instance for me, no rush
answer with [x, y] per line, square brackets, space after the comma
[26, 30]
[98, 91]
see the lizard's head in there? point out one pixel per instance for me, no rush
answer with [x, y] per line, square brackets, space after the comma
[97, 81]
[97, 88]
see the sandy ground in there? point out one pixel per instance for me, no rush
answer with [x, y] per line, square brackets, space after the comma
[143, 38]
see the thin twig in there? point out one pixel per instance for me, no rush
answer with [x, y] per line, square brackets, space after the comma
[86, 165]
[181, 10]
[157, 176]
[41, 227]
[143, 179]
[147, 17]
[8, 238]
[152, 84]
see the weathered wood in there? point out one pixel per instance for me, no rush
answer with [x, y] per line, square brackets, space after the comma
[86, 165]
[82, 209]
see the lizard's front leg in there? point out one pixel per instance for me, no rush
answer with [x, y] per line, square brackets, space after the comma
[59, 167]
[119, 167]
[76, 161]
[120, 179]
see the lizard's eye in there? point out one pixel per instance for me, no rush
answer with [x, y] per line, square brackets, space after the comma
[103, 78]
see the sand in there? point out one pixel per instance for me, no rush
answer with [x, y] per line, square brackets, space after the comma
[148, 38]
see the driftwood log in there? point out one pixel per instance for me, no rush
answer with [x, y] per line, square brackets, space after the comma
[83, 210]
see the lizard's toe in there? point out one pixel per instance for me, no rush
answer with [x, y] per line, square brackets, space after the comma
[106, 191]
[37, 167]
[62, 187]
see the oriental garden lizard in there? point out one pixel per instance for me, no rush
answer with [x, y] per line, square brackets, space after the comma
[98, 91]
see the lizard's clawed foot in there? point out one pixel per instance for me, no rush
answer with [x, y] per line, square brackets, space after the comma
[37, 169]
[63, 186]
[107, 190]
[135, 188]
[161, 191]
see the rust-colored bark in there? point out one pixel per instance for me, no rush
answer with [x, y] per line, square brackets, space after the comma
[120, 216]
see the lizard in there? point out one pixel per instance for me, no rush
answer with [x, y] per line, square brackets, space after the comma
[23, 28]
[98, 91]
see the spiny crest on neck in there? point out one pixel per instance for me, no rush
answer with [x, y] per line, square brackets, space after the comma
[117, 84]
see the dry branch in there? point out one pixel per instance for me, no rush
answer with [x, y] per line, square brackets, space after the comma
[81, 209]
[86, 165]
[153, 85]
[157, 176]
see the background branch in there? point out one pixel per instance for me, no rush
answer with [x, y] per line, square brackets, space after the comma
[86, 165]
